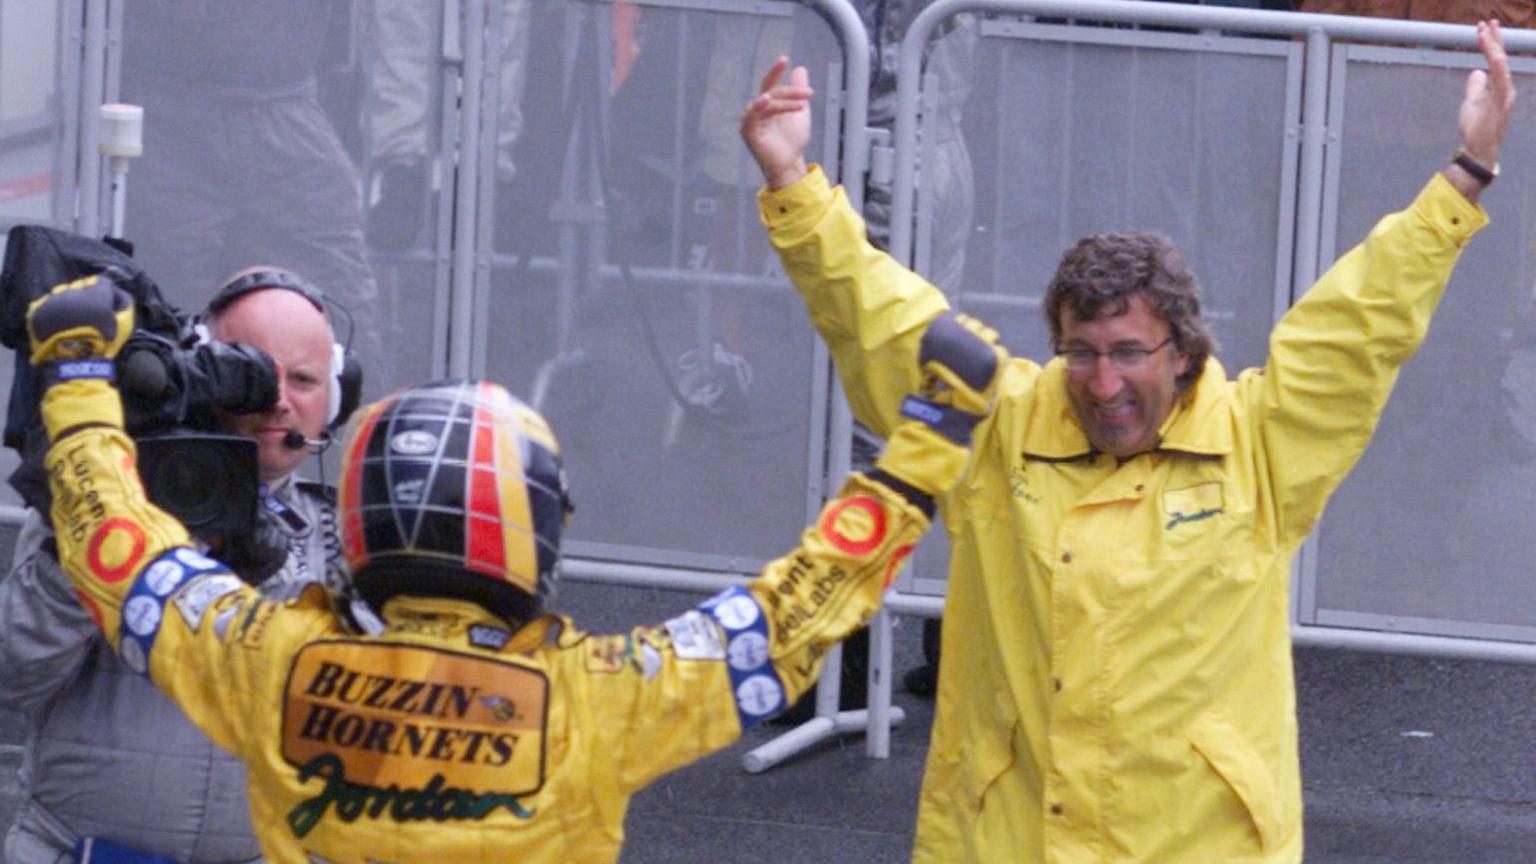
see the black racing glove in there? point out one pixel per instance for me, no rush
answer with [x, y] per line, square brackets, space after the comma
[76, 330]
[962, 367]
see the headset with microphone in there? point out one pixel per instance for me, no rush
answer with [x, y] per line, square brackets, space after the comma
[346, 372]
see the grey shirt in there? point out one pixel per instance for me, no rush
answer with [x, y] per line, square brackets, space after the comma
[107, 754]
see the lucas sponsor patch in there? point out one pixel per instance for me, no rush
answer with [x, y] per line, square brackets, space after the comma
[400, 724]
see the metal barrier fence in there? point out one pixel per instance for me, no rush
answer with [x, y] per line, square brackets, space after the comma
[541, 196]
[539, 191]
[1264, 144]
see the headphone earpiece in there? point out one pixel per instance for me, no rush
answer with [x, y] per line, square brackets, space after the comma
[346, 371]
[346, 387]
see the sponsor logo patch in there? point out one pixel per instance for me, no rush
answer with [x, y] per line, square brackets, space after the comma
[854, 525]
[747, 651]
[1192, 504]
[759, 695]
[391, 723]
[133, 655]
[605, 655]
[200, 593]
[141, 615]
[163, 576]
[755, 683]
[115, 549]
[414, 442]
[493, 638]
[226, 616]
[254, 625]
[195, 559]
[695, 637]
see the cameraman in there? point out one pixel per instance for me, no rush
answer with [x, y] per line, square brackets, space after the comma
[112, 767]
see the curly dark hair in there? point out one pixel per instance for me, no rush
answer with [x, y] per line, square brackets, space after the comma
[1100, 273]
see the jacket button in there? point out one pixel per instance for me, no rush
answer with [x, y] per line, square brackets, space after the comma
[1055, 809]
[1066, 557]
[1056, 682]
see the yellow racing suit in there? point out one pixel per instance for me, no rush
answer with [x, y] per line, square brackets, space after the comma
[1116, 681]
[446, 738]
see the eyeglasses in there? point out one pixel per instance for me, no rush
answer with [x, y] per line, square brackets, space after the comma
[1122, 357]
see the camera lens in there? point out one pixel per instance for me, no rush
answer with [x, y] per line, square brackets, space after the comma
[182, 486]
[208, 482]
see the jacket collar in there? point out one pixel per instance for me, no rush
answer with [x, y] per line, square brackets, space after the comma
[1196, 426]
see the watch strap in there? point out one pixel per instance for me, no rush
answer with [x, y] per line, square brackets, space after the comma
[1480, 172]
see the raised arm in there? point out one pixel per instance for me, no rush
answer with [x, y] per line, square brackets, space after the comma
[696, 682]
[871, 311]
[137, 575]
[1484, 116]
[1335, 356]
[777, 124]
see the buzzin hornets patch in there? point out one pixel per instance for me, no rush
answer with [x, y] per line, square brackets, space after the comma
[463, 734]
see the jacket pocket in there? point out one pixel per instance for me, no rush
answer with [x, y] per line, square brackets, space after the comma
[987, 753]
[1236, 762]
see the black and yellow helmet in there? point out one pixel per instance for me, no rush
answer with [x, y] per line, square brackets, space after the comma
[454, 489]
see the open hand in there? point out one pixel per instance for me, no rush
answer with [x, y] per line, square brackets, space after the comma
[1489, 100]
[777, 124]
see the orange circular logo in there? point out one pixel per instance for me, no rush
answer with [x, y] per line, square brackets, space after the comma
[854, 525]
[108, 541]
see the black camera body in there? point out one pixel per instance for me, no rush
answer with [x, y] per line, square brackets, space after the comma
[173, 382]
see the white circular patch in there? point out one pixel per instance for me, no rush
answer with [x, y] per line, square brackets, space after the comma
[132, 654]
[414, 442]
[737, 612]
[163, 577]
[759, 695]
[141, 615]
[747, 651]
[193, 558]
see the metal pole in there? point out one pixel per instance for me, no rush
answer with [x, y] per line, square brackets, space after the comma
[462, 304]
[92, 82]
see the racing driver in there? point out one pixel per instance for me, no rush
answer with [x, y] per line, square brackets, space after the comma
[438, 712]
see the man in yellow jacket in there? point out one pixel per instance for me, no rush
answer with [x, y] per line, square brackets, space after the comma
[441, 714]
[1117, 680]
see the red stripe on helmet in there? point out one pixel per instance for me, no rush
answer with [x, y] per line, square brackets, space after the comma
[351, 486]
[485, 552]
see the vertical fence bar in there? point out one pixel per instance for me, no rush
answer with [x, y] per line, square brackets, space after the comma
[92, 79]
[462, 301]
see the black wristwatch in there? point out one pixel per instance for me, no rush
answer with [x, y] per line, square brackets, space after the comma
[1480, 172]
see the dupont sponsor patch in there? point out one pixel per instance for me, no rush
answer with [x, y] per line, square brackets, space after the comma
[695, 636]
[200, 593]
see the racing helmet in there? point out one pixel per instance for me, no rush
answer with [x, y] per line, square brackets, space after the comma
[454, 489]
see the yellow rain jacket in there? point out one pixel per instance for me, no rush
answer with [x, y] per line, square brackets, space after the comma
[1116, 681]
[444, 738]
